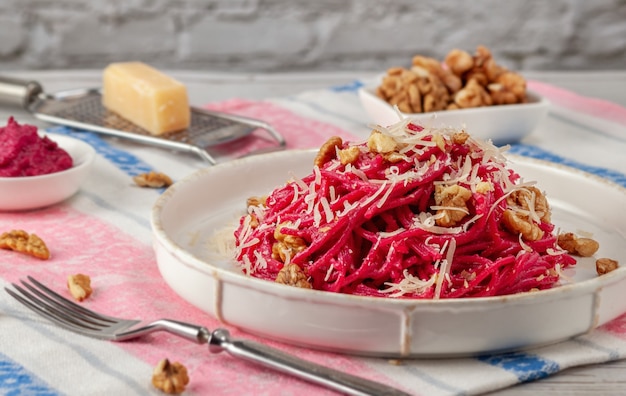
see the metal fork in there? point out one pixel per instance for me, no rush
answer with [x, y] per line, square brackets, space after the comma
[71, 316]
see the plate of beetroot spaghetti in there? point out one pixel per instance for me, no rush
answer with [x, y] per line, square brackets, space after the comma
[414, 243]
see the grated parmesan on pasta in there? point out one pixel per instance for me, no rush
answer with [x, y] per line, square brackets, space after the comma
[374, 226]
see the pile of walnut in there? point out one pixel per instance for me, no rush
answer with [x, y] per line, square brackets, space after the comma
[462, 81]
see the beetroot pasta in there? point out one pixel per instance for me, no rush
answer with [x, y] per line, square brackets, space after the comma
[412, 212]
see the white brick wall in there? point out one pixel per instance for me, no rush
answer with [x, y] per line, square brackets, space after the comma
[281, 35]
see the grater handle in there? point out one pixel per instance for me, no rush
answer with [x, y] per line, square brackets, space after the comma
[18, 92]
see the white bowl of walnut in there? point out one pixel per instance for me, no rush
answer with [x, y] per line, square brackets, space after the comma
[464, 91]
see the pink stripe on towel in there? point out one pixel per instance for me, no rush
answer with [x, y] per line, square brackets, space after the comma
[597, 107]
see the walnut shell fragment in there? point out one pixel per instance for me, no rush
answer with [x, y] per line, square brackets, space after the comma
[583, 247]
[153, 180]
[526, 208]
[256, 201]
[171, 378]
[286, 246]
[605, 265]
[454, 201]
[79, 286]
[292, 275]
[327, 151]
[23, 242]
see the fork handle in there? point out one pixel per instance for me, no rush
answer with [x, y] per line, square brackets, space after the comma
[289, 364]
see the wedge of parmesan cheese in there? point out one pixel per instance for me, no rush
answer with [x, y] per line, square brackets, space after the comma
[146, 97]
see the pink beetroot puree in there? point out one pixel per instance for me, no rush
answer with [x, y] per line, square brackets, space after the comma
[24, 153]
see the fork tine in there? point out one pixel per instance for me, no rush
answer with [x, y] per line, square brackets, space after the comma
[56, 299]
[66, 313]
[60, 307]
[54, 306]
[47, 310]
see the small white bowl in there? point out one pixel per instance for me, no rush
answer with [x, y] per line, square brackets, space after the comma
[502, 124]
[32, 192]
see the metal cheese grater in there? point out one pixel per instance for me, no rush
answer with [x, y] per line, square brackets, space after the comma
[83, 109]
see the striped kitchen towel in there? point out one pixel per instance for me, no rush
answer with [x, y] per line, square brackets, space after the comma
[104, 230]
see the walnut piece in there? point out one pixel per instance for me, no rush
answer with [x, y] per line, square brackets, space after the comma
[286, 245]
[379, 143]
[79, 286]
[521, 224]
[349, 155]
[440, 141]
[153, 180]
[483, 187]
[523, 205]
[605, 265]
[256, 201]
[398, 89]
[508, 88]
[485, 69]
[459, 61]
[472, 95]
[417, 90]
[454, 199]
[567, 241]
[394, 157]
[452, 81]
[292, 275]
[23, 242]
[587, 247]
[328, 151]
[171, 378]
[254, 221]
[584, 247]
[460, 137]
[434, 93]
[530, 197]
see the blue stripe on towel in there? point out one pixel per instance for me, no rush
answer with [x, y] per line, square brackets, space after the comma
[16, 380]
[539, 153]
[350, 87]
[611, 353]
[124, 160]
[526, 367]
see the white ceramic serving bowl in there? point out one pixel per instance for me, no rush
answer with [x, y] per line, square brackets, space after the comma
[502, 124]
[186, 216]
[32, 192]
